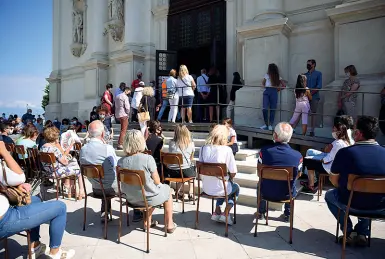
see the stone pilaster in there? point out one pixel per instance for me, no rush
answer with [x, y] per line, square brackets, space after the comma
[272, 9]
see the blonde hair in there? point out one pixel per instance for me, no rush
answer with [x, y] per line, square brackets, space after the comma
[218, 136]
[182, 136]
[134, 142]
[148, 91]
[183, 71]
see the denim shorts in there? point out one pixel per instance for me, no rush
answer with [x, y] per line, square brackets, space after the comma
[187, 101]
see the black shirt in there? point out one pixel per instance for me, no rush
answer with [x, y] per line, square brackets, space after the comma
[7, 140]
[155, 144]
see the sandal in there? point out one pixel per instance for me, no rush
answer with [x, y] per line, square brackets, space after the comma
[170, 231]
[308, 188]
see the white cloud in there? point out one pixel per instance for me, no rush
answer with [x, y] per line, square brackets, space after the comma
[18, 91]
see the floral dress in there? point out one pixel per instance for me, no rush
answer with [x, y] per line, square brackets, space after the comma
[61, 170]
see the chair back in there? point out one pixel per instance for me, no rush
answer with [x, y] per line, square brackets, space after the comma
[34, 162]
[77, 146]
[10, 147]
[148, 152]
[171, 158]
[92, 171]
[132, 178]
[20, 152]
[276, 173]
[48, 160]
[366, 184]
[212, 169]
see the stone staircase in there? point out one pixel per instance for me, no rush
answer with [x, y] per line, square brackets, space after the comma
[246, 161]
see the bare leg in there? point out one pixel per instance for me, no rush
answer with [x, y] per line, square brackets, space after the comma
[149, 217]
[211, 113]
[304, 129]
[189, 114]
[183, 114]
[168, 208]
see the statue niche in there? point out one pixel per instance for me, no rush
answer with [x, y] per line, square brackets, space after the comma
[78, 46]
[115, 25]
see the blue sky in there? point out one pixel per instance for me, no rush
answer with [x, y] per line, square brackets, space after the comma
[26, 53]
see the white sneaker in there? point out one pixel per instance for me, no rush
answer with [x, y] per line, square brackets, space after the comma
[223, 219]
[270, 127]
[62, 254]
[264, 127]
[39, 251]
[215, 217]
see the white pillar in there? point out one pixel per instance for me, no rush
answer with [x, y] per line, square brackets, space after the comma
[269, 9]
[134, 21]
[56, 48]
[231, 36]
[97, 16]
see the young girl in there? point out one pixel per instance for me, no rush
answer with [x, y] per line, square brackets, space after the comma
[302, 106]
[232, 141]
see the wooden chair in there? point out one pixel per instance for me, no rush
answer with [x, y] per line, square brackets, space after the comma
[321, 181]
[49, 159]
[176, 159]
[276, 174]
[135, 178]
[361, 184]
[10, 147]
[96, 171]
[34, 163]
[147, 152]
[77, 148]
[27, 235]
[219, 171]
[23, 161]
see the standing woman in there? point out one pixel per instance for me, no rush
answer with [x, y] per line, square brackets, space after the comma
[147, 103]
[347, 99]
[237, 84]
[172, 93]
[186, 87]
[270, 82]
[108, 99]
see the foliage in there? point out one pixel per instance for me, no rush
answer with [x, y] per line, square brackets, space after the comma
[45, 100]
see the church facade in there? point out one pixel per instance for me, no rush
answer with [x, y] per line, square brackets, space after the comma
[96, 42]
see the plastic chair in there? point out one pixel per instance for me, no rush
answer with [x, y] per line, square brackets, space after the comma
[276, 174]
[219, 171]
[176, 159]
[361, 184]
[135, 178]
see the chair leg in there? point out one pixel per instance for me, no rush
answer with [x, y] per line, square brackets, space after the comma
[227, 224]
[85, 213]
[57, 189]
[29, 244]
[235, 211]
[197, 213]
[256, 219]
[344, 238]
[338, 224]
[291, 221]
[105, 219]
[267, 213]
[212, 206]
[120, 220]
[183, 198]
[370, 232]
[193, 182]
[6, 247]
[148, 231]
[165, 220]
[128, 215]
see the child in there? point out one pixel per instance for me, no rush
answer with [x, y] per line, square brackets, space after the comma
[232, 142]
[302, 106]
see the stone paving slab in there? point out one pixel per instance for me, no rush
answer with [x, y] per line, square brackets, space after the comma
[313, 236]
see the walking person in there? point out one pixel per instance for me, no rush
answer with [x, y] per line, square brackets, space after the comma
[347, 99]
[302, 103]
[203, 97]
[314, 82]
[237, 84]
[122, 113]
[270, 82]
[186, 87]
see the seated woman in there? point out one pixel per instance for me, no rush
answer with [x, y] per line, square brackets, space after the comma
[156, 192]
[321, 162]
[65, 165]
[182, 143]
[216, 151]
[154, 141]
[69, 137]
[232, 142]
[28, 139]
[15, 219]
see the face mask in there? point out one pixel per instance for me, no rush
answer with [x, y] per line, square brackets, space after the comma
[55, 121]
[335, 135]
[308, 67]
[102, 116]
[139, 76]
[73, 122]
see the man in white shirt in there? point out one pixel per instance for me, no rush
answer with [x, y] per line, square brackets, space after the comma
[96, 152]
[203, 97]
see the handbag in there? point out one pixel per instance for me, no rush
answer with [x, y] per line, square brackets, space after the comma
[191, 165]
[144, 116]
[15, 194]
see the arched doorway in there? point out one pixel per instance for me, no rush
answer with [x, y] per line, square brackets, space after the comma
[197, 32]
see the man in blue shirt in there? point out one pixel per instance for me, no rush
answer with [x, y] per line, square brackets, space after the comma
[279, 154]
[314, 82]
[28, 117]
[365, 157]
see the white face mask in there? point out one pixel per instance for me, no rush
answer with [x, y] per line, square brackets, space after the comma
[335, 135]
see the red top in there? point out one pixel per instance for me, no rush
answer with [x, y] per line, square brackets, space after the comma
[135, 83]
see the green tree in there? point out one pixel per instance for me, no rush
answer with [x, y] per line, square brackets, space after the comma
[45, 100]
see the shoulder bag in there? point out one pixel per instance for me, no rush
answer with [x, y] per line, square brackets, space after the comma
[145, 115]
[187, 159]
[15, 195]
[187, 84]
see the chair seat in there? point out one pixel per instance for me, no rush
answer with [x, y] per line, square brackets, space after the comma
[100, 197]
[378, 214]
[179, 180]
[276, 200]
[203, 194]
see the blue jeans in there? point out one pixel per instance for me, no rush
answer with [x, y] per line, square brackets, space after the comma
[270, 100]
[230, 196]
[18, 219]
[262, 205]
[332, 200]
[165, 103]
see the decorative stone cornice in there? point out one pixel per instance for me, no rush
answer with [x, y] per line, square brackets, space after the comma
[310, 27]
[357, 11]
[267, 27]
[160, 12]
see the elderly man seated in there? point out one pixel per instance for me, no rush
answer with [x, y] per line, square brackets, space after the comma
[282, 155]
[364, 158]
[96, 152]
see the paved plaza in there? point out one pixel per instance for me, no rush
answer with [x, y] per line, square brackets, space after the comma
[313, 237]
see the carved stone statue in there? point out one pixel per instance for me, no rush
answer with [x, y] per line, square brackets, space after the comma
[77, 26]
[115, 26]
